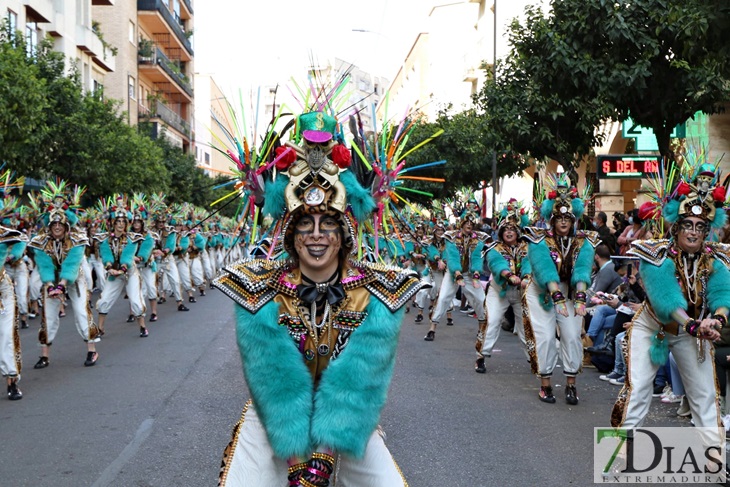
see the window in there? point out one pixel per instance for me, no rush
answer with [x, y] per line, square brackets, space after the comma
[12, 22]
[207, 158]
[132, 36]
[31, 38]
[97, 89]
[132, 87]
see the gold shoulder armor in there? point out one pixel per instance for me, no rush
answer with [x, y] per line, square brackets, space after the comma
[252, 282]
[591, 237]
[652, 251]
[720, 251]
[533, 234]
[78, 238]
[392, 285]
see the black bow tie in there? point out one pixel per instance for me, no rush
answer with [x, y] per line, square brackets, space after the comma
[309, 293]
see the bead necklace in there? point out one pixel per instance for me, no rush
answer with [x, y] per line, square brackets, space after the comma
[690, 279]
[565, 243]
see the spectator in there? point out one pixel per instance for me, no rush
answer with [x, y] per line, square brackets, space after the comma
[635, 231]
[604, 233]
[619, 223]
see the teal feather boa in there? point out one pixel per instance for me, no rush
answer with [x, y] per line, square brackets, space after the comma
[105, 252]
[583, 264]
[284, 405]
[662, 289]
[71, 264]
[452, 258]
[359, 199]
[578, 207]
[354, 387]
[718, 287]
[128, 253]
[46, 267]
[497, 265]
[145, 249]
[17, 250]
[170, 242]
[543, 270]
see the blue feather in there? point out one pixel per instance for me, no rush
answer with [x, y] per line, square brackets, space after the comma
[662, 289]
[671, 211]
[274, 201]
[359, 199]
[546, 210]
[578, 207]
[71, 264]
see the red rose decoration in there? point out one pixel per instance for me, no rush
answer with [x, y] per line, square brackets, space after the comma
[341, 156]
[683, 189]
[287, 160]
[648, 210]
[552, 195]
[718, 194]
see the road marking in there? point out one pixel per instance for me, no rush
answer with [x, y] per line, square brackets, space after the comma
[110, 473]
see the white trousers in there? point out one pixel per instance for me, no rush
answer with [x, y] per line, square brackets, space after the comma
[132, 284]
[634, 400]
[207, 265]
[540, 334]
[35, 285]
[20, 277]
[197, 275]
[98, 267]
[78, 294]
[169, 277]
[183, 270]
[474, 296]
[85, 271]
[149, 281]
[10, 357]
[496, 308]
[253, 463]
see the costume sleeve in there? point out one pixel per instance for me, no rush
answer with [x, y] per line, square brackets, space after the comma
[170, 242]
[199, 242]
[452, 258]
[583, 264]
[543, 267]
[17, 250]
[718, 290]
[476, 260]
[127, 257]
[71, 264]
[185, 243]
[280, 384]
[353, 388]
[497, 264]
[662, 289]
[46, 267]
[105, 252]
[145, 248]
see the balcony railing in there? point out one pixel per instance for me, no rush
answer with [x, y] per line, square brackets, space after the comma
[159, 58]
[159, 6]
[161, 111]
[189, 5]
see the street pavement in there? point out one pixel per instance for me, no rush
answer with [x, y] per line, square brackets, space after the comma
[158, 411]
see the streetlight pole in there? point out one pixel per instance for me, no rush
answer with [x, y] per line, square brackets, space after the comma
[494, 150]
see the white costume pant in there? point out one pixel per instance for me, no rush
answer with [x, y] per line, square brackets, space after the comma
[35, 285]
[10, 358]
[85, 271]
[18, 274]
[183, 270]
[170, 278]
[132, 284]
[197, 275]
[540, 334]
[634, 399]
[149, 281]
[424, 295]
[253, 464]
[496, 308]
[474, 295]
[83, 318]
[98, 267]
[207, 265]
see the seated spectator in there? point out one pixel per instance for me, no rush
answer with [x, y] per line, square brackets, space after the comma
[604, 233]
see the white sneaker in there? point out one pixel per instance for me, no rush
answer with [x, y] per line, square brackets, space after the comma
[683, 410]
[671, 398]
[667, 392]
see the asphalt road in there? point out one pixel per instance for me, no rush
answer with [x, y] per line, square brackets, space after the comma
[158, 411]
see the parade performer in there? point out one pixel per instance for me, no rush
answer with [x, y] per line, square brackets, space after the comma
[165, 241]
[317, 332]
[508, 263]
[16, 268]
[58, 251]
[180, 254]
[118, 249]
[144, 260]
[437, 251]
[687, 285]
[561, 260]
[466, 261]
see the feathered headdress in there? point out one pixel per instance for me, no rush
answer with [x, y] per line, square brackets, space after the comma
[119, 208]
[561, 198]
[139, 207]
[512, 215]
[58, 203]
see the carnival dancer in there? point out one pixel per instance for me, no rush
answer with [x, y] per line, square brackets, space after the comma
[687, 285]
[10, 352]
[469, 244]
[508, 263]
[144, 260]
[118, 249]
[561, 260]
[323, 324]
[165, 241]
[59, 249]
[17, 270]
[195, 257]
[180, 255]
[436, 256]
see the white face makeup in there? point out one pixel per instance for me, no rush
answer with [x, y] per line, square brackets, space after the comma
[692, 233]
[317, 242]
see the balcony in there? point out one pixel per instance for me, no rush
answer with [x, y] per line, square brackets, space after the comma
[88, 42]
[160, 111]
[161, 71]
[188, 5]
[102, 2]
[41, 11]
[158, 19]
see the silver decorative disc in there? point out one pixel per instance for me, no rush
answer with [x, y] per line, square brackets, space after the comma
[696, 210]
[314, 196]
[563, 209]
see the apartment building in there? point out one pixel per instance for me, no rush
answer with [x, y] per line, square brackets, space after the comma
[154, 75]
[210, 106]
[73, 30]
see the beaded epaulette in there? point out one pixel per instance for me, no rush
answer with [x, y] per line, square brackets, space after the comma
[248, 282]
[590, 236]
[720, 251]
[652, 251]
[393, 286]
[533, 234]
[9, 235]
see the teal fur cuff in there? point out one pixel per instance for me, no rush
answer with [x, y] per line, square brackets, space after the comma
[477, 261]
[17, 250]
[71, 264]
[354, 387]
[184, 243]
[199, 242]
[170, 242]
[583, 264]
[662, 289]
[280, 383]
[718, 287]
